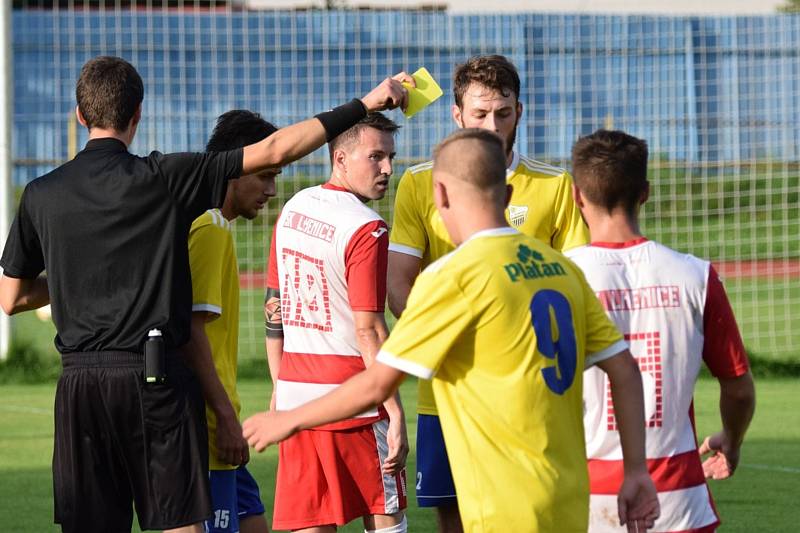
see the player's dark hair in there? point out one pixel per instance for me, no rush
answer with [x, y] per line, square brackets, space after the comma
[610, 169]
[238, 128]
[374, 120]
[494, 72]
[482, 163]
[109, 91]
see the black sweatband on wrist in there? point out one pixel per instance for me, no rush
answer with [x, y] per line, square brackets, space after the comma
[340, 119]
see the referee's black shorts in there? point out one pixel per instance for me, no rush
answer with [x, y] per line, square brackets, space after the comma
[119, 440]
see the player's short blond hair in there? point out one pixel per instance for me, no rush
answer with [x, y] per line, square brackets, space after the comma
[475, 156]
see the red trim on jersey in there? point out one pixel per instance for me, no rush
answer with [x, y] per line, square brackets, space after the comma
[319, 368]
[723, 350]
[331, 187]
[272, 263]
[681, 471]
[627, 244]
[710, 528]
[365, 264]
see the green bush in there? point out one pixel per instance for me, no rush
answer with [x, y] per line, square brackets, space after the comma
[28, 364]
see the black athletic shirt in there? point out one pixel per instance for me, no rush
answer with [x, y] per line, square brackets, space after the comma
[111, 230]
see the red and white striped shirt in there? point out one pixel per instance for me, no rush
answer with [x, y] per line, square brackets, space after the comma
[328, 258]
[674, 313]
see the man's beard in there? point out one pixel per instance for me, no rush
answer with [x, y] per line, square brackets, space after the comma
[512, 137]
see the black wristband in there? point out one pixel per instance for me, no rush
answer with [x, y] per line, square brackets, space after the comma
[342, 118]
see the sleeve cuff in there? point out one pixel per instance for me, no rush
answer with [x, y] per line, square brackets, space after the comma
[402, 249]
[215, 309]
[404, 365]
[607, 353]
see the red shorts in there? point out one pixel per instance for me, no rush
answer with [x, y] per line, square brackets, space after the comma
[334, 477]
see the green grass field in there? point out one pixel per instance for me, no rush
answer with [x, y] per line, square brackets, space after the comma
[761, 497]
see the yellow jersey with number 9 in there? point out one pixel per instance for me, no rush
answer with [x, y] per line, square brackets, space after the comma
[505, 326]
[541, 206]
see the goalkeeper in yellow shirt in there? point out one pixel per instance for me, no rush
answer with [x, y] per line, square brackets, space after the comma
[505, 326]
[486, 90]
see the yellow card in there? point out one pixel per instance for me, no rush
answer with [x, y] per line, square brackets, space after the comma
[426, 92]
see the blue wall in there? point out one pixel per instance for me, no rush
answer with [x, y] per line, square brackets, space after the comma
[699, 89]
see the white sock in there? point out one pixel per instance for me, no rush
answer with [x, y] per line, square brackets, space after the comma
[402, 527]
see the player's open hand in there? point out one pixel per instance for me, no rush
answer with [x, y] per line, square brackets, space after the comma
[266, 428]
[231, 447]
[724, 456]
[389, 94]
[397, 440]
[637, 502]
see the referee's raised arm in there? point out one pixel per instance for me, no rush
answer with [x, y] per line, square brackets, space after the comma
[298, 140]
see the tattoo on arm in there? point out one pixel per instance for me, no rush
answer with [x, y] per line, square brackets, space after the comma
[272, 313]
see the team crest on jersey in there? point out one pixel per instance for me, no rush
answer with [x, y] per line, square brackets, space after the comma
[518, 214]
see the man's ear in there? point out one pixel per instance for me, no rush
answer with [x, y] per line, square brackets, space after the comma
[340, 161]
[576, 195]
[455, 111]
[440, 195]
[519, 113]
[137, 116]
[509, 192]
[645, 193]
[81, 119]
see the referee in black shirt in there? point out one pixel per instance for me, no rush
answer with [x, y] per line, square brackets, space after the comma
[110, 229]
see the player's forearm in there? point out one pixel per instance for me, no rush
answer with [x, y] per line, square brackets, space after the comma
[737, 403]
[627, 395]
[197, 354]
[397, 292]
[274, 356]
[284, 146]
[403, 270]
[360, 393]
[18, 295]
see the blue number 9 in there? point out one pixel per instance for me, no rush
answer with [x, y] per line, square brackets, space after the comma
[564, 349]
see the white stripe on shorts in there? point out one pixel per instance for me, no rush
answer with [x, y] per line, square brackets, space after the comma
[391, 497]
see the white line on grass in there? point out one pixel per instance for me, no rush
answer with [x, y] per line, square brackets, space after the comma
[24, 409]
[787, 469]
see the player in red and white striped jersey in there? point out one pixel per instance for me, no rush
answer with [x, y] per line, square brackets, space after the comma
[674, 313]
[327, 272]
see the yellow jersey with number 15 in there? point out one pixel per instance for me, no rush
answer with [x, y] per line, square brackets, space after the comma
[505, 326]
[215, 290]
[541, 206]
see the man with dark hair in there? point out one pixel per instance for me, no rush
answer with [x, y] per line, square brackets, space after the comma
[503, 326]
[487, 91]
[673, 311]
[111, 230]
[325, 322]
[235, 497]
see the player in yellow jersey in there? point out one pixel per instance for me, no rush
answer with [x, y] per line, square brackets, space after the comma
[486, 90]
[215, 328]
[504, 325]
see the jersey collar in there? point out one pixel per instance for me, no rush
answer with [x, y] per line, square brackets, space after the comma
[492, 232]
[627, 244]
[105, 143]
[331, 187]
[514, 164]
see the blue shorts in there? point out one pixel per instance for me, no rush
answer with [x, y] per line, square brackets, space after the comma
[435, 486]
[234, 496]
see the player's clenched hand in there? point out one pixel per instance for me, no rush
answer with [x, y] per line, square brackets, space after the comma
[270, 427]
[724, 456]
[231, 447]
[637, 502]
[389, 94]
[397, 440]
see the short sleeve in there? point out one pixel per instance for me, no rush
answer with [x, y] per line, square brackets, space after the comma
[723, 349]
[436, 317]
[208, 246]
[603, 338]
[365, 261]
[198, 181]
[570, 230]
[408, 230]
[22, 256]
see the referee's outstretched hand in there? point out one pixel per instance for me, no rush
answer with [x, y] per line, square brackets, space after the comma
[389, 94]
